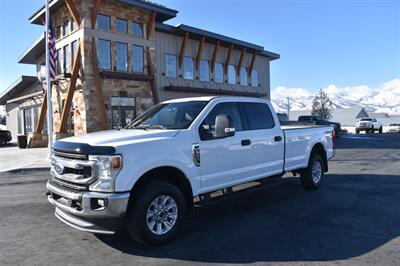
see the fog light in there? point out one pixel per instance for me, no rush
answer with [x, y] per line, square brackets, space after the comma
[101, 202]
[98, 204]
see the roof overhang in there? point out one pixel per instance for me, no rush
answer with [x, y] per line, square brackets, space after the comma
[18, 86]
[196, 33]
[34, 52]
[163, 13]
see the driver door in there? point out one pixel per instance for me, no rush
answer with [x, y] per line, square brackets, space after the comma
[223, 160]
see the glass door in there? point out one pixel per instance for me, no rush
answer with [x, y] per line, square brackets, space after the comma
[123, 111]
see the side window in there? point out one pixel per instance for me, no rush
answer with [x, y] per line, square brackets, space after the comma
[258, 116]
[207, 128]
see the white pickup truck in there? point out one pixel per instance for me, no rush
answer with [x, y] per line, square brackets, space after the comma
[145, 177]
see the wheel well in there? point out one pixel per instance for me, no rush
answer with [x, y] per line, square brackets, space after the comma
[171, 175]
[319, 149]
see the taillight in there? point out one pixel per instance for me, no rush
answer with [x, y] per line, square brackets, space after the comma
[334, 139]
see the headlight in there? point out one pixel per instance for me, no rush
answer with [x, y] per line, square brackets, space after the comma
[105, 169]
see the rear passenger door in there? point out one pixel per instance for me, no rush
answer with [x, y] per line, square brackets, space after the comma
[265, 138]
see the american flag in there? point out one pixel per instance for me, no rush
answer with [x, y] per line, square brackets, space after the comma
[52, 51]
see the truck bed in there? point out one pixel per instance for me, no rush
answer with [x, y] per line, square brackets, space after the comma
[299, 139]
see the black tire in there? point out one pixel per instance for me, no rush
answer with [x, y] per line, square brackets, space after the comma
[357, 131]
[380, 130]
[3, 140]
[306, 175]
[136, 222]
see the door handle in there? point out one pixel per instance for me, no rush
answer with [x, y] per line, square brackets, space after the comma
[278, 138]
[245, 142]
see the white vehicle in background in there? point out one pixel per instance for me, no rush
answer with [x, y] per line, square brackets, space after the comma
[394, 128]
[145, 176]
[369, 125]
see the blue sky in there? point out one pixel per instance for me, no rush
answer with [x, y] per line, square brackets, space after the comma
[345, 43]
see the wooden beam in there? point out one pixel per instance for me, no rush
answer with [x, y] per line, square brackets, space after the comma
[228, 59]
[200, 51]
[214, 57]
[95, 10]
[73, 12]
[240, 61]
[253, 61]
[42, 114]
[151, 24]
[99, 90]
[183, 49]
[66, 112]
[151, 71]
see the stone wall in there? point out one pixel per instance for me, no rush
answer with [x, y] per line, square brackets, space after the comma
[85, 106]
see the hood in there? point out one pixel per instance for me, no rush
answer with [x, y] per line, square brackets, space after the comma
[121, 137]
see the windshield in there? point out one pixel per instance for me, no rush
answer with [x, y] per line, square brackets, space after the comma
[178, 115]
[366, 119]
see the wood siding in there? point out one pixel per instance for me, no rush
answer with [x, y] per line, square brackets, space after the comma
[171, 44]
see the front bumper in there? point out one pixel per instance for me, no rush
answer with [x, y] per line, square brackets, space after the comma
[81, 211]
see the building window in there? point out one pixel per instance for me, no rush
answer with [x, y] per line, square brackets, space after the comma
[218, 73]
[254, 78]
[204, 71]
[170, 66]
[243, 76]
[188, 68]
[122, 56]
[104, 54]
[66, 59]
[103, 22]
[231, 74]
[58, 32]
[137, 29]
[74, 27]
[20, 122]
[138, 59]
[66, 28]
[74, 49]
[59, 61]
[121, 25]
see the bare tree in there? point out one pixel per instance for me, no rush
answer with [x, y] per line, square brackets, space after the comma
[321, 105]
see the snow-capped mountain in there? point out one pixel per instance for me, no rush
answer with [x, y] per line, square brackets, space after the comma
[384, 98]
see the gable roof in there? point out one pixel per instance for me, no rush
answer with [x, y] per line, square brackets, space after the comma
[19, 85]
[34, 52]
[162, 13]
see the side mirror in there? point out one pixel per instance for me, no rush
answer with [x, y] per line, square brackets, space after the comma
[222, 127]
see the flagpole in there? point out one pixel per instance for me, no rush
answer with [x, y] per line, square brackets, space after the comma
[48, 79]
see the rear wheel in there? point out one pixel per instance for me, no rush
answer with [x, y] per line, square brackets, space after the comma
[311, 177]
[357, 131]
[380, 130]
[156, 213]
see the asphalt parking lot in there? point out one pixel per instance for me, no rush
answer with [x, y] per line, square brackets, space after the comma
[353, 219]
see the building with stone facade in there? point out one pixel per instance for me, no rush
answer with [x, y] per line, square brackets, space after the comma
[117, 58]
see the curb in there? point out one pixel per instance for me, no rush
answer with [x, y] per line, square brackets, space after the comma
[23, 170]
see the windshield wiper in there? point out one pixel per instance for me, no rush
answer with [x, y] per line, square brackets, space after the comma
[146, 127]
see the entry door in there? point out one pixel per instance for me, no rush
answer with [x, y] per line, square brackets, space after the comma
[223, 161]
[121, 116]
[123, 111]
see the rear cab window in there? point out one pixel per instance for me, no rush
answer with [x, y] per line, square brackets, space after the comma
[256, 115]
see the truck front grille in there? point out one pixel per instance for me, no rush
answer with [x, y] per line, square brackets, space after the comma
[72, 168]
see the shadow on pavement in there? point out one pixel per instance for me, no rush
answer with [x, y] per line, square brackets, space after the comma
[350, 215]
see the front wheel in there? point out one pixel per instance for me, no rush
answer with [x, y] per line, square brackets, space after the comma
[380, 130]
[156, 213]
[357, 131]
[311, 177]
